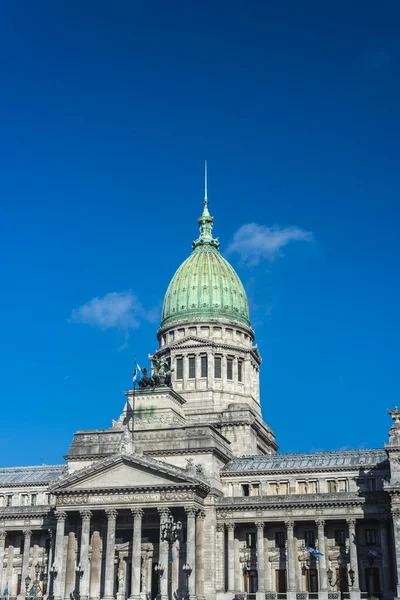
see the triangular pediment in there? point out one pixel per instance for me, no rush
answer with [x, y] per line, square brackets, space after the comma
[125, 471]
[191, 342]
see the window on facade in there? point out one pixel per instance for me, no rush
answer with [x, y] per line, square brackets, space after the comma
[8, 500]
[312, 487]
[255, 489]
[284, 488]
[280, 539]
[25, 499]
[370, 536]
[250, 539]
[370, 485]
[302, 487]
[48, 498]
[229, 368]
[240, 370]
[331, 486]
[192, 367]
[273, 489]
[309, 538]
[245, 489]
[217, 367]
[204, 366]
[340, 537]
[33, 499]
[179, 368]
[342, 485]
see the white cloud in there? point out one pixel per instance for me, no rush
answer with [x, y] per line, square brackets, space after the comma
[120, 310]
[255, 242]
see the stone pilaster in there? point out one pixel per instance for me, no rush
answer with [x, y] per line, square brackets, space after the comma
[260, 560]
[231, 556]
[59, 554]
[84, 554]
[355, 591]
[291, 568]
[163, 554]
[323, 579]
[136, 553]
[3, 535]
[200, 555]
[220, 558]
[267, 565]
[25, 559]
[191, 548]
[110, 555]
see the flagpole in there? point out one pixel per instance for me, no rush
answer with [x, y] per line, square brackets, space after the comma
[133, 402]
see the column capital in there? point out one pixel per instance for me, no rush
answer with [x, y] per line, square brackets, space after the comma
[201, 515]
[27, 533]
[137, 512]
[289, 525]
[260, 525]
[3, 535]
[220, 527]
[230, 526]
[320, 523]
[111, 514]
[86, 514]
[351, 523]
[61, 515]
[191, 511]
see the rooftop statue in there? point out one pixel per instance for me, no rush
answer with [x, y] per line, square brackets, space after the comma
[162, 372]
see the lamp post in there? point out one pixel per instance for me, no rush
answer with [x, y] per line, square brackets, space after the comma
[170, 532]
[187, 569]
[53, 575]
[79, 573]
[39, 570]
[159, 570]
[339, 579]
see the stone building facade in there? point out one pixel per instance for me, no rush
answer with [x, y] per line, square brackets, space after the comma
[256, 522]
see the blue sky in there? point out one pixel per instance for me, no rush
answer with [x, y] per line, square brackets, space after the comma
[108, 112]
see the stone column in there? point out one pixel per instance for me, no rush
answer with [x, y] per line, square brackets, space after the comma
[136, 553]
[383, 522]
[163, 554]
[260, 560]
[3, 535]
[323, 580]
[355, 590]
[267, 565]
[50, 561]
[25, 560]
[84, 554]
[291, 568]
[231, 556]
[191, 548]
[200, 555]
[59, 554]
[110, 554]
[220, 558]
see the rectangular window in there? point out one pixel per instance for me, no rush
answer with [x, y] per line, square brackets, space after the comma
[8, 500]
[240, 370]
[273, 489]
[245, 489]
[331, 486]
[192, 367]
[280, 539]
[255, 489]
[302, 487]
[33, 499]
[340, 538]
[204, 366]
[229, 368]
[309, 538]
[179, 368]
[250, 539]
[342, 485]
[284, 488]
[217, 367]
[370, 537]
[312, 487]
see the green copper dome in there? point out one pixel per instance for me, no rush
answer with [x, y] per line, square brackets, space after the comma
[205, 286]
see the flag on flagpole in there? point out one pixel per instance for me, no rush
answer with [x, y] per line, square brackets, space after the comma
[314, 552]
[32, 592]
[137, 374]
[5, 593]
[373, 553]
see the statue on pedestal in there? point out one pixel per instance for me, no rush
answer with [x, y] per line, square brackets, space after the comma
[162, 372]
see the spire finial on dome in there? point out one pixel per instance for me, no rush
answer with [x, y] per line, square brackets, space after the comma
[206, 221]
[205, 210]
